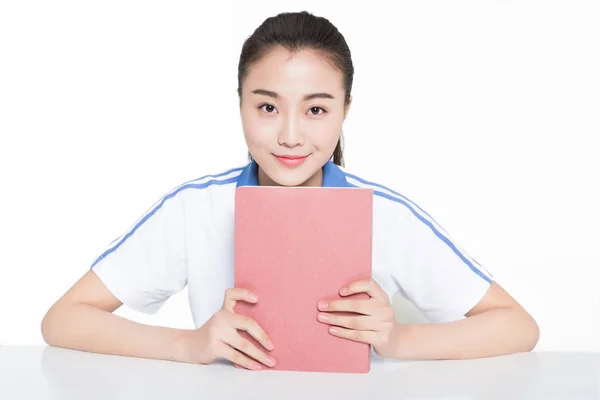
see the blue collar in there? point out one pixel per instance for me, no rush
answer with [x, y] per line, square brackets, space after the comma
[333, 176]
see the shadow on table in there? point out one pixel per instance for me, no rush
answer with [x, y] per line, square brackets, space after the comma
[73, 374]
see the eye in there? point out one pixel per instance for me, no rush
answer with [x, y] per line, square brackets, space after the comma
[269, 108]
[315, 110]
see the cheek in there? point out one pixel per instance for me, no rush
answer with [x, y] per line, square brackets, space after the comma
[255, 129]
[326, 133]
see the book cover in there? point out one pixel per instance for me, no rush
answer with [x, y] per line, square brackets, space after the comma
[297, 246]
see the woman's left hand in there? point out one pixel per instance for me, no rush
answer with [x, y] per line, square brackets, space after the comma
[373, 325]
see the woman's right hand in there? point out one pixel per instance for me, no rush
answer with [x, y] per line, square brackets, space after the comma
[219, 336]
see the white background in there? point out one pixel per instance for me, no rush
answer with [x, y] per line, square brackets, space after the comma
[485, 113]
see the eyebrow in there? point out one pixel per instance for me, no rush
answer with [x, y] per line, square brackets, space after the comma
[306, 97]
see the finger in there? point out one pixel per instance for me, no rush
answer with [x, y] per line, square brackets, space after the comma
[358, 322]
[245, 346]
[236, 357]
[369, 337]
[368, 286]
[360, 306]
[254, 329]
[233, 295]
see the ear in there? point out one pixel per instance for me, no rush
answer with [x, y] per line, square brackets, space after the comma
[348, 107]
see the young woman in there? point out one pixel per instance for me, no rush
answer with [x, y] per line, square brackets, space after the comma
[294, 85]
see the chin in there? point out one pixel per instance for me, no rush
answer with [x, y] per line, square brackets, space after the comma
[289, 179]
[288, 176]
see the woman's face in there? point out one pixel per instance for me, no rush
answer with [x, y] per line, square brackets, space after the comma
[292, 113]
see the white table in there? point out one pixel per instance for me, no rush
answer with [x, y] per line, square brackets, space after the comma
[53, 373]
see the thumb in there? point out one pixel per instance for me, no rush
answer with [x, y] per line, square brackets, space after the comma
[233, 295]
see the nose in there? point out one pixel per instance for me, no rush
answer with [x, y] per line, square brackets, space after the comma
[290, 134]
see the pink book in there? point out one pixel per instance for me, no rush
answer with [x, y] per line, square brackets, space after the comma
[297, 246]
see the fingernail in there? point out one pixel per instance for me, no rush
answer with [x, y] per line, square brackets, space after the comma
[343, 291]
[270, 345]
[270, 361]
[323, 317]
[333, 330]
[323, 305]
[253, 297]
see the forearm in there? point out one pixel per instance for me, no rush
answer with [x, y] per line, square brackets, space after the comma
[491, 333]
[87, 328]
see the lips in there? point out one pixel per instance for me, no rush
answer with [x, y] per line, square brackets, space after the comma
[292, 157]
[291, 160]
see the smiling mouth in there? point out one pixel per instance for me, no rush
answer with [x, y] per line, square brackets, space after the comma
[291, 161]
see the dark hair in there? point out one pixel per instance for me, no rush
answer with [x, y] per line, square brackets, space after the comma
[299, 31]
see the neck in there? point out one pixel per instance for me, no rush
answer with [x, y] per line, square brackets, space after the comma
[315, 180]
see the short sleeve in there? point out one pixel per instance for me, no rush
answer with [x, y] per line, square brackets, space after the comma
[436, 275]
[147, 264]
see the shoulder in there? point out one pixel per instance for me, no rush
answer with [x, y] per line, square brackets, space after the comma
[381, 189]
[388, 198]
[226, 178]
[217, 178]
[218, 184]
